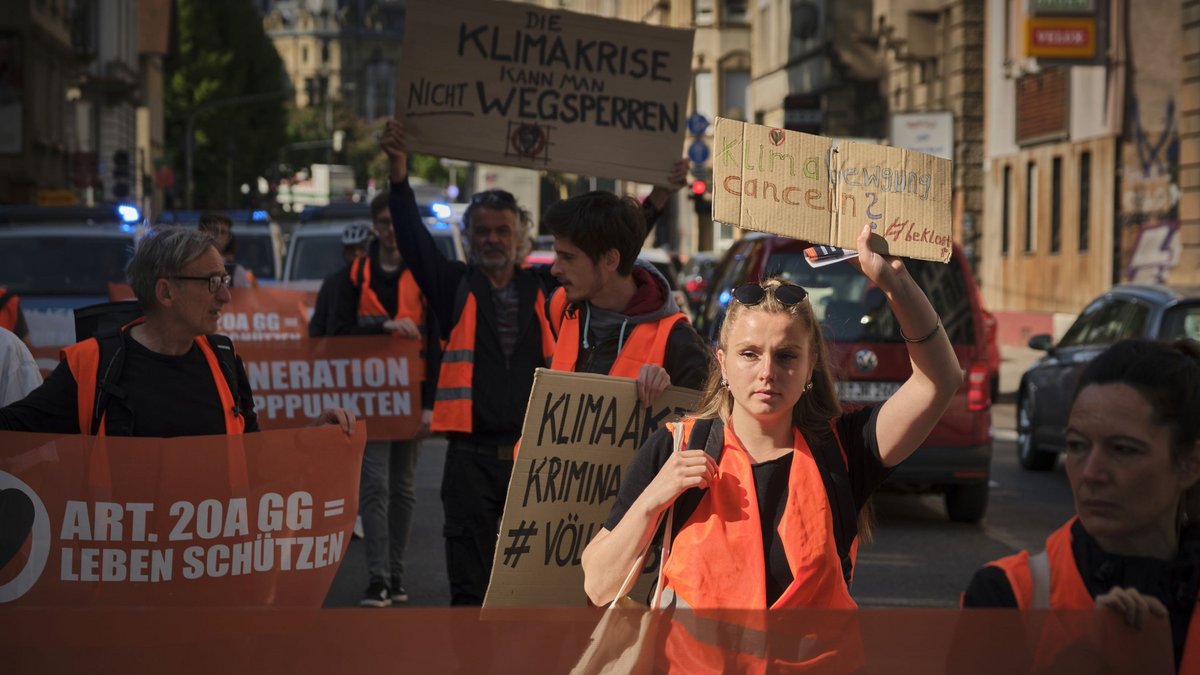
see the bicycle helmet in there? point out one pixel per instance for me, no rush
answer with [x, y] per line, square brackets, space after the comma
[356, 233]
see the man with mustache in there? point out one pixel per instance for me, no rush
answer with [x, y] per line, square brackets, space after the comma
[492, 313]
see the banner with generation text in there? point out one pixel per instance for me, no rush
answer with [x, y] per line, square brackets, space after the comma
[580, 432]
[260, 519]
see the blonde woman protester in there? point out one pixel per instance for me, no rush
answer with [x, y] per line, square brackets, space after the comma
[761, 536]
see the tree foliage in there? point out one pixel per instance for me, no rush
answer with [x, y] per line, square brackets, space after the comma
[220, 51]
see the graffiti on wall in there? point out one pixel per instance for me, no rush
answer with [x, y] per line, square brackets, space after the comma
[1150, 198]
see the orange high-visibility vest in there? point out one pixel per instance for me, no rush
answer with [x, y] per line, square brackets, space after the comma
[8, 313]
[717, 558]
[83, 358]
[647, 342]
[408, 294]
[452, 410]
[1068, 591]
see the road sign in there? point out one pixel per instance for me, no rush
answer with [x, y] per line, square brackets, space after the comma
[698, 152]
[697, 123]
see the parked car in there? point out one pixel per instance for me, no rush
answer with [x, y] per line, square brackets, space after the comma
[1125, 311]
[259, 240]
[61, 258]
[695, 276]
[315, 250]
[869, 359]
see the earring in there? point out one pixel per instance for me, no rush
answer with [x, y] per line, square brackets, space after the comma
[724, 383]
[808, 387]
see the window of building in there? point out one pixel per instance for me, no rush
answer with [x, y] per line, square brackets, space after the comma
[1006, 211]
[304, 55]
[325, 51]
[734, 94]
[735, 11]
[705, 12]
[1085, 200]
[1030, 205]
[1056, 205]
[704, 94]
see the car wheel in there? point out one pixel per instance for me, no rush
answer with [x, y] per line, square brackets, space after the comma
[1027, 452]
[967, 503]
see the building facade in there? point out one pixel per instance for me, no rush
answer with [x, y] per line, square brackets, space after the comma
[933, 85]
[1091, 155]
[37, 66]
[339, 49]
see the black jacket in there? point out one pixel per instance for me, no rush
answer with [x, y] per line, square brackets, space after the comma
[500, 386]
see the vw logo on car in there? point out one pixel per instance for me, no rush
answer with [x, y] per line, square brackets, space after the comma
[866, 360]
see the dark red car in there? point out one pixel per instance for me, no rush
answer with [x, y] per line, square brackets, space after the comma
[870, 360]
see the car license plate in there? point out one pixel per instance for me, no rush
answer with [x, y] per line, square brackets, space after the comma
[866, 392]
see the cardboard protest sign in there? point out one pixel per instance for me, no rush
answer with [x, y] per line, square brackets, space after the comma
[580, 432]
[255, 519]
[805, 187]
[522, 85]
[378, 377]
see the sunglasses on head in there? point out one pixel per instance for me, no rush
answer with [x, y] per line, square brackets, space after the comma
[493, 197]
[788, 294]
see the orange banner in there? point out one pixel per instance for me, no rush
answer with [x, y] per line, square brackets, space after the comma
[253, 520]
[378, 377]
[558, 640]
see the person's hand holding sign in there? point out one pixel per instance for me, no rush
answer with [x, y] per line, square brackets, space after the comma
[652, 381]
[661, 194]
[339, 416]
[403, 327]
[395, 146]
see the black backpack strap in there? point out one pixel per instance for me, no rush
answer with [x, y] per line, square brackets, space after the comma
[112, 361]
[709, 435]
[460, 299]
[222, 346]
[828, 455]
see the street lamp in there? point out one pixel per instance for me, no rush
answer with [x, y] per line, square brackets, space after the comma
[209, 105]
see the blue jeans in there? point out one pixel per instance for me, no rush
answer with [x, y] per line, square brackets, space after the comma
[386, 499]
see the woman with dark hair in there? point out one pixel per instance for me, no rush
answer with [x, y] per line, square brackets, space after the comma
[762, 533]
[1133, 461]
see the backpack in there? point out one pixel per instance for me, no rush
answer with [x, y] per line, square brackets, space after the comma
[112, 361]
[709, 435]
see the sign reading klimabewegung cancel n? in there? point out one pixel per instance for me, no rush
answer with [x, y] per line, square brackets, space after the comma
[807, 187]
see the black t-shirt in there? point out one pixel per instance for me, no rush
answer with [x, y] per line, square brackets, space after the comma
[1174, 582]
[865, 468]
[166, 396]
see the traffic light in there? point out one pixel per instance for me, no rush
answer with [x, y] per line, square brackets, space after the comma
[120, 174]
[700, 198]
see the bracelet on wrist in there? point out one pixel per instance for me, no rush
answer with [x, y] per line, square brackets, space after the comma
[925, 338]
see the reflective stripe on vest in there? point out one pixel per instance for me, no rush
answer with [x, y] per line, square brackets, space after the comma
[408, 295]
[1068, 591]
[83, 358]
[8, 313]
[717, 560]
[646, 343]
[452, 409]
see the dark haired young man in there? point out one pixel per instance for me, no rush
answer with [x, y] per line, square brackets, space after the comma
[492, 312]
[613, 314]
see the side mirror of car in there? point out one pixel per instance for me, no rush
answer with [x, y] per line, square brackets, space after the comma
[1041, 342]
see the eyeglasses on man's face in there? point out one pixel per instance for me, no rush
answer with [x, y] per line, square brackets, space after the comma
[215, 282]
[787, 294]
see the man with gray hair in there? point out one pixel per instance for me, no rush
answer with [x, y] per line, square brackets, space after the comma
[166, 374]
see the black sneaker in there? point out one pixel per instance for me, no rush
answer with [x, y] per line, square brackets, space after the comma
[398, 592]
[378, 595]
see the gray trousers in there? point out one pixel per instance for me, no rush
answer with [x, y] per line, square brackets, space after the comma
[386, 499]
